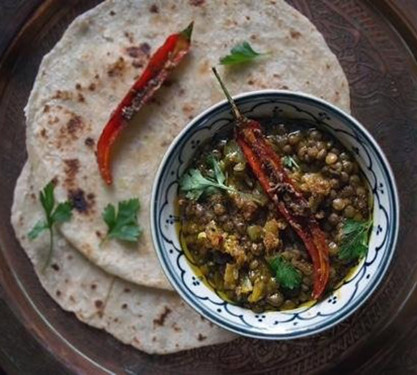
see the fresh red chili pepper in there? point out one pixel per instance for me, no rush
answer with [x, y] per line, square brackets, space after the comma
[163, 61]
[293, 207]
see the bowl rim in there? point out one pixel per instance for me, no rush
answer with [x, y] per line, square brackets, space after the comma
[218, 319]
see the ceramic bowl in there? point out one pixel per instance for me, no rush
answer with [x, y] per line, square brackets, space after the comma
[353, 292]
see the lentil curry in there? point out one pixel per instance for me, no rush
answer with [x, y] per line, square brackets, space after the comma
[243, 246]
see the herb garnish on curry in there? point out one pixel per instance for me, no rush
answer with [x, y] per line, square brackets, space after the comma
[276, 215]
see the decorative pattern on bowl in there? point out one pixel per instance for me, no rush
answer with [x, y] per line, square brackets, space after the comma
[306, 320]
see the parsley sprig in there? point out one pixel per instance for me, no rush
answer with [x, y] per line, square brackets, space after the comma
[123, 224]
[285, 273]
[54, 214]
[241, 53]
[354, 244]
[194, 184]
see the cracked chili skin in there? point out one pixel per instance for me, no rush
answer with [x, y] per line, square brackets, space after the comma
[163, 61]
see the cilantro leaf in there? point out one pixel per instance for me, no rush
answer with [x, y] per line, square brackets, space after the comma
[123, 225]
[290, 163]
[194, 184]
[59, 214]
[47, 198]
[109, 215]
[354, 244]
[62, 212]
[218, 173]
[39, 227]
[240, 53]
[285, 273]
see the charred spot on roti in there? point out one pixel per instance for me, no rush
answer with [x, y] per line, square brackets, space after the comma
[145, 48]
[188, 110]
[81, 98]
[295, 34]
[112, 13]
[92, 86]
[33, 196]
[72, 299]
[62, 95]
[134, 51]
[69, 257]
[55, 267]
[79, 201]
[98, 303]
[124, 306]
[58, 293]
[161, 320]
[117, 68]
[46, 108]
[176, 328]
[71, 168]
[93, 286]
[98, 234]
[126, 290]
[43, 133]
[251, 82]
[197, 3]
[154, 8]
[89, 142]
[73, 127]
[201, 337]
[137, 64]
[78, 86]
[129, 36]
[53, 120]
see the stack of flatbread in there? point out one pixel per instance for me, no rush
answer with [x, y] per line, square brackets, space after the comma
[121, 287]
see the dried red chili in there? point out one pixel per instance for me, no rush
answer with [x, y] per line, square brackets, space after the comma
[163, 61]
[267, 167]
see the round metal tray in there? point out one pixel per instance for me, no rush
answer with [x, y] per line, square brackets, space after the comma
[375, 45]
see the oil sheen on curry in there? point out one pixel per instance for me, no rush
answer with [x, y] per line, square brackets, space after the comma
[275, 214]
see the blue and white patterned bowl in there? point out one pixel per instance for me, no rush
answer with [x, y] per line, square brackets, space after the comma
[303, 321]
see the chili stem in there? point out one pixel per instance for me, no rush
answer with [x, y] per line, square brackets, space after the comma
[235, 110]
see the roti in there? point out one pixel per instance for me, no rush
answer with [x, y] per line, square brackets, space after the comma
[154, 321]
